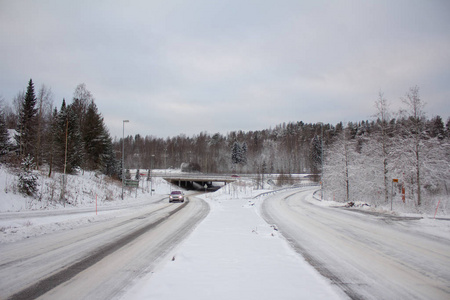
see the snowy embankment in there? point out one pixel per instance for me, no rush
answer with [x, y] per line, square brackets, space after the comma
[234, 254]
[90, 197]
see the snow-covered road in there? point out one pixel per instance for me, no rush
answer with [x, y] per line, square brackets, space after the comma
[369, 256]
[96, 260]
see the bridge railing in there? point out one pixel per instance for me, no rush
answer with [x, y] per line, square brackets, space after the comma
[198, 177]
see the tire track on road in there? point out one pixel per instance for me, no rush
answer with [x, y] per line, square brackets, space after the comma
[44, 285]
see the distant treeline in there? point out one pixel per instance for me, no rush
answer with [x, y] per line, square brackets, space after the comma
[403, 145]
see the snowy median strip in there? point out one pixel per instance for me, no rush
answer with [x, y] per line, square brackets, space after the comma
[234, 254]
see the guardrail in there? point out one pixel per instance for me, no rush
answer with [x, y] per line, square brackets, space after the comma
[286, 189]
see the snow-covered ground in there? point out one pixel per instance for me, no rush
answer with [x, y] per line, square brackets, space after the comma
[234, 254]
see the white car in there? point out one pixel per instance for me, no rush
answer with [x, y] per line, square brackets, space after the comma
[176, 196]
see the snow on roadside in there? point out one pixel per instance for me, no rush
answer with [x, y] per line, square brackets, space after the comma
[91, 198]
[437, 224]
[234, 254]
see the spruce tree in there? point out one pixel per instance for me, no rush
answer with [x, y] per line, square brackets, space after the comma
[28, 182]
[67, 134]
[244, 150]
[111, 163]
[95, 138]
[53, 143]
[4, 136]
[437, 128]
[315, 154]
[236, 153]
[74, 143]
[26, 137]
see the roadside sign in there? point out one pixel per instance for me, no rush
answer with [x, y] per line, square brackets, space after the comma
[130, 182]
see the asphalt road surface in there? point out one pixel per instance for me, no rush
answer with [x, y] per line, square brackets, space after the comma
[99, 260]
[369, 256]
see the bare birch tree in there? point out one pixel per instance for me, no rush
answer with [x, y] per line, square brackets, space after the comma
[413, 130]
[383, 116]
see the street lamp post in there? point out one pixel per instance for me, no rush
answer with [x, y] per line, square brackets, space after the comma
[321, 161]
[123, 153]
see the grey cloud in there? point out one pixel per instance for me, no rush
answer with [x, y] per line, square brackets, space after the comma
[226, 65]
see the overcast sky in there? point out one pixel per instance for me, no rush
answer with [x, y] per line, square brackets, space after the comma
[174, 67]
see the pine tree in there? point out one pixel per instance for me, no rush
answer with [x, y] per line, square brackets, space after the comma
[26, 137]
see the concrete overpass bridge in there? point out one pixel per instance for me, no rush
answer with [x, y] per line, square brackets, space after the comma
[196, 181]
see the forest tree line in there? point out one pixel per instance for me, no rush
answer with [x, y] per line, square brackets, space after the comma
[408, 154]
[69, 139]
[359, 158]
